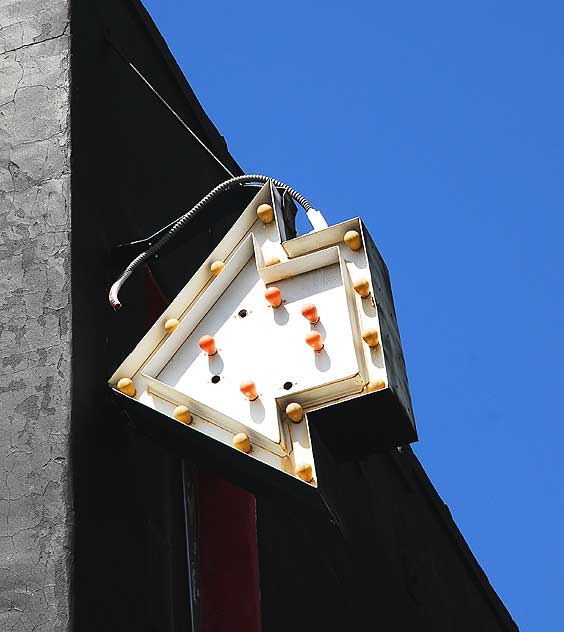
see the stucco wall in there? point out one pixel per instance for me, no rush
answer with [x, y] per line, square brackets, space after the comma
[34, 315]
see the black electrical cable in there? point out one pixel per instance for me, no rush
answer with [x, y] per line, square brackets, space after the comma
[182, 221]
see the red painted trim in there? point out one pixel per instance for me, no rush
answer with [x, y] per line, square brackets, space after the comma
[229, 565]
[155, 301]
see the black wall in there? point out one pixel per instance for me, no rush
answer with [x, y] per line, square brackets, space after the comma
[391, 558]
[134, 168]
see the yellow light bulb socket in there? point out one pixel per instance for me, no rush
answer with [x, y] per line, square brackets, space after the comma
[375, 385]
[305, 472]
[271, 261]
[242, 442]
[353, 240]
[362, 287]
[295, 412]
[126, 386]
[371, 337]
[266, 213]
[216, 267]
[170, 325]
[182, 414]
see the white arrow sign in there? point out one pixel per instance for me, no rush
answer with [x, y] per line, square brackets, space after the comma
[267, 330]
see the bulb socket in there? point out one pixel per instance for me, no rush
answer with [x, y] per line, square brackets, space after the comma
[181, 413]
[126, 386]
[216, 268]
[353, 240]
[266, 213]
[242, 442]
[295, 412]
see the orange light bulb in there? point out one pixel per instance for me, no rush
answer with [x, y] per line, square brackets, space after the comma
[309, 311]
[207, 344]
[249, 390]
[314, 340]
[273, 296]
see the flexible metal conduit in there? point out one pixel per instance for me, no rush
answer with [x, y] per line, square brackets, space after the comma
[182, 221]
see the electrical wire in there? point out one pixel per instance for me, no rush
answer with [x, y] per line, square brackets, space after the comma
[184, 219]
[315, 216]
[210, 152]
[149, 85]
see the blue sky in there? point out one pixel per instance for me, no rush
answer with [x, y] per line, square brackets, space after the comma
[442, 125]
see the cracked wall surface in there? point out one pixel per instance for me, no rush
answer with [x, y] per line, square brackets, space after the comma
[34, 315]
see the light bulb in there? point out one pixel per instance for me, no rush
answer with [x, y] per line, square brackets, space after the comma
[273, 296]
[207, 344]
[314, 340]
[249, 390]
[309, 311]
[353, 240]
[266, 213]
[216, 267]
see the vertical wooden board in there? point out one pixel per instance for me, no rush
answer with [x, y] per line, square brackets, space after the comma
[229, 590]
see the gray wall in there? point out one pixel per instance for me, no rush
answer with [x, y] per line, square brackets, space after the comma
[34, 315]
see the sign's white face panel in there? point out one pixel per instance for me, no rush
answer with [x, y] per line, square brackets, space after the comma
[258, 342]
[266, 345]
